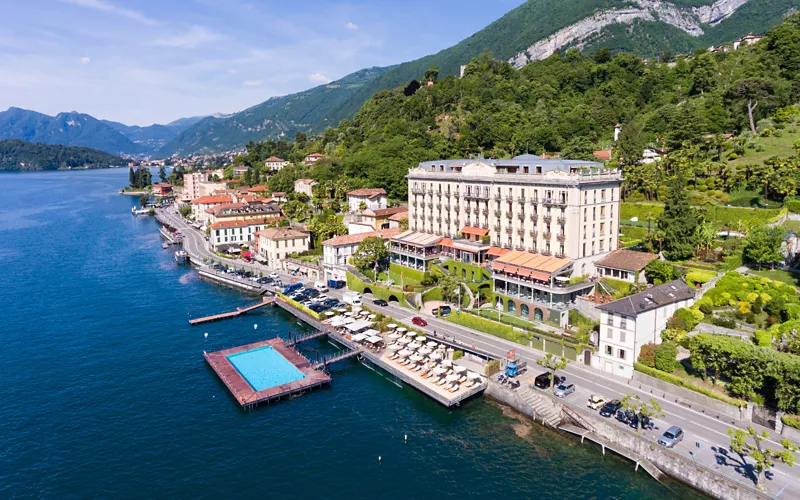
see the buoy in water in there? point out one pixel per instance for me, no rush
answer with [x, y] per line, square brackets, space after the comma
[205, 335]
[406, 437]
[255, 327]
[379, 459]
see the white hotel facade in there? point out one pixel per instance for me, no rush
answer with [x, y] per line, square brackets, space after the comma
[561, 208]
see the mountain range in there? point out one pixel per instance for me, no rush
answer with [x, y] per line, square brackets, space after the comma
[531, 32]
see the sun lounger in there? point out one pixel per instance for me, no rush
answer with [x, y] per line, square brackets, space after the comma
[455, 388]
[441, 381]
[462, 380]
[471, 385]
[416, 368]
[393, 356]
[426, 374]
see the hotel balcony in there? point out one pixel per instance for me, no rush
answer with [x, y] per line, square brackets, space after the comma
[602, 200]
[438, 206]
[546, 253]
[521, 200]
[476, 210]
[485, 226]
[521, 216]
[485, 212]
[497, 198]
[457, 195]
[547, 235]
[447, 207]
[417, 191]
[497, 227]
[547, 219]
[521, 248]
[562, 220]
[430, 204]
[561, 237]
[447, 220]
[521, 231]
[534, 233]
[447, 194]
[555, 202]
[468, 221]
[535, 218]
[414, 204]
[509, 230]
[509, 215]
[438, 220]
[515, 286]
[456, 208]
[476, 196]
[534, 201]
[430, 218]
[560, 255]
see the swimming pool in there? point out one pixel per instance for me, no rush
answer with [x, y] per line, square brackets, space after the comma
[264, 368]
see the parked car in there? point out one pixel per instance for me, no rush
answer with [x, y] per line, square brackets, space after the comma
[542, 381]
[563, 390]
[274, 276]
[317, 308]
[671, 437]
[331, 303]
[595, 402]
[380, 302]
[419, 321]
[442, 311]
[312, 292]
[610, 408]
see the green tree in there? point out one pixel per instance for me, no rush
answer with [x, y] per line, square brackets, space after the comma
[131, 177]
[678, 222]
[666, 354]
[185, 211]
[552, 364]
[750, 443]
[432, 74]
[751, 92]
[162, 173]
[631, 144]
[370, 254]
[763, 246]
[659, 271]
[650, 409]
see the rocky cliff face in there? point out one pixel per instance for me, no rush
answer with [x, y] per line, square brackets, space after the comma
[689, 20]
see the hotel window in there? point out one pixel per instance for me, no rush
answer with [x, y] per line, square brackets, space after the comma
[622, 336]
[609, 350]
[611, 319]
[594, 213]
[622, 354]
[538, 170]
[525, 170]
[593, 248]
[584, 215]
[584, 234]
[583, 254]
[623, 323]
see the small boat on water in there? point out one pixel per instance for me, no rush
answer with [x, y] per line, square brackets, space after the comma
[144, 211]
[165, 245]
[181, 256]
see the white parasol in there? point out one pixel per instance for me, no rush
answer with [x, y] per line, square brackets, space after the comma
[406, 352]
[432, 344]
[401, 329]
[439, 371]
[459, 369]
[391, 326]
[395, 347]
[452, 378]
[414, 345]
[417, 358]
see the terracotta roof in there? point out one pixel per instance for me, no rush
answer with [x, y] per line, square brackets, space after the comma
[475, 231]
[383, 212]
[351, 239]
[258, 189]
[273, 159]
[652, 298]
[304, 181]
[209, 200]
[281, 233]
[399, 216]
[602, 154]
[241, 223]
[497, 251]
[626, 260]
[532, 261]
[163, 185]
[369, 193]
[446, 242]
[315, 155]
[217, 208]
[417, 239]
[279, 194]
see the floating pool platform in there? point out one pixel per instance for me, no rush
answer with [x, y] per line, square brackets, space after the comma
[223, 364]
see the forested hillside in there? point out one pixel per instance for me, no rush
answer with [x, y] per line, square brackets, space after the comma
[21, 155]
[569, 103]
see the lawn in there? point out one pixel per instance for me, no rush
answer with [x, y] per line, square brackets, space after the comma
[773, 146]
[787, 277]
[792, 225]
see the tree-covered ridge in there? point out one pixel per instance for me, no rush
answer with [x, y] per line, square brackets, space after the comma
[20, 155]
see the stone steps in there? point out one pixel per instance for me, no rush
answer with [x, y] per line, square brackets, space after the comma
[544, 411]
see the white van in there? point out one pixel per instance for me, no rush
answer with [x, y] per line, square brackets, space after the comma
[352, 298]
[321, 286]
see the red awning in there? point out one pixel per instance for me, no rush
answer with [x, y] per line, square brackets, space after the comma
[540, 276]
[524, 272]
[496, 251]
[498, 267]
[476, 231]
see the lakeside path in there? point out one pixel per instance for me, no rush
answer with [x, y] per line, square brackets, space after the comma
[700, 427]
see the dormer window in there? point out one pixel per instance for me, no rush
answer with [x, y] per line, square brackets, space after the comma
[538, 169]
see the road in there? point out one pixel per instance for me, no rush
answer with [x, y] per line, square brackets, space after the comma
[706, 438]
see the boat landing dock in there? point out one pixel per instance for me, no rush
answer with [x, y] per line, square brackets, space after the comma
[241, 389]
[232, 314]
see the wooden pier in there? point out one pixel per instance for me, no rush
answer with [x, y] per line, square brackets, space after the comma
[346, 354]
[232, 314]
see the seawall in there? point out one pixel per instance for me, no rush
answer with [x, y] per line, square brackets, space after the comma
[639, 449]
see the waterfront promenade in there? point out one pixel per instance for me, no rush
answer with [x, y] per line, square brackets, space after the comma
[706, 439]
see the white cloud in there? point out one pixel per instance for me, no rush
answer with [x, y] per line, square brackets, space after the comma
[352, 26]
[253, 83]
[319, 78]
[110, 8]
[195, 37]
[85, 60]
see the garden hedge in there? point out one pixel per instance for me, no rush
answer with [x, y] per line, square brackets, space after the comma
[672, 379]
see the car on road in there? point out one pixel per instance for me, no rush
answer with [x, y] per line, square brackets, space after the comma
[274, 276]
[671, 437]
[542, 381]
[380, 302]
[419, 321]
[610, 408]
[442, 311]
[564, 389]
[595, 402]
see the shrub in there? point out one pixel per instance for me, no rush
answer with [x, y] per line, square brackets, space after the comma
[665, 358]
[647, 356]
[658, 272]
[688, 318]
[763, 338]
[458, 355]
[492, 367]
[706, 308]
[697, 276]
[724, 322]
[793, 206]
[670, 335]
[676, 323]
[673, 379]
[791, 421]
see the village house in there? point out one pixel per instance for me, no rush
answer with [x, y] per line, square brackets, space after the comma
[631, 322]
[201, 204]
[379, 219]
[372, 199]
[397, 219]
[337, 251]
[278, 196]
[625, 265]
[274, 244]
[191, 182]
[312, 159]
[244, 210]
[225, 234]
[275, 164]
[162, 189]
[304, 186]
[240, 170]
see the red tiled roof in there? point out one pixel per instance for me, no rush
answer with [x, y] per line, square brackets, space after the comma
[304, 181]
[217, 208]
[240, 223]
[383, 212]
[315, 155]
[351, 239]
[258, 189]
[602, 154]
[281, 233]
[399, 216]
[497, 251]
[369, 193]
[273, 159]
[210, 200]
[277, 194]
[476, 231]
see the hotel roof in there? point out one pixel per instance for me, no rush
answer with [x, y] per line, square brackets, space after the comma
[273, 159]
[241, 223]
[281, 233]
[417, 239]
[527, 160]
[209, 200]
[383, 212]
[515, 261]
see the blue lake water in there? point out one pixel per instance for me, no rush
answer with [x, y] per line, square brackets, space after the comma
[264, 367]
[105, 392]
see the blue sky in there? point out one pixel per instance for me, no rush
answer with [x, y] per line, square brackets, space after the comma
[152, 61]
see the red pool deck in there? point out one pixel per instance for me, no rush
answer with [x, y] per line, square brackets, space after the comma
[244, 393]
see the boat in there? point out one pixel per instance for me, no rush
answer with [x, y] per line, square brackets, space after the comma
[144, 211]
[181, 256]
[165, 245]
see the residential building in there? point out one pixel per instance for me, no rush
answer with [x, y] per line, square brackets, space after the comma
[379, 219]
[191, 182]
[336, 252]
[564, 208]
[274, 244]
[602, 155]
[372, 199]
[275, 164]
[162, 189]
[304, 186]
[240, 171]
[749, 39]
[246, 209]
[398, 218]
[625, 265]
[651, 155]
[313, 158]
[631, 322]
[224, 234]
[203, 203]
[208, 188]
[278, 196]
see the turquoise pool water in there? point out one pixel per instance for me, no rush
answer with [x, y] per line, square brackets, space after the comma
[264, 368]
